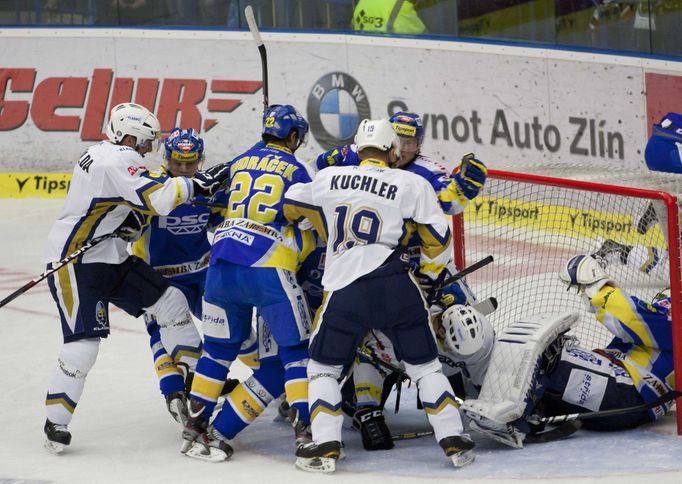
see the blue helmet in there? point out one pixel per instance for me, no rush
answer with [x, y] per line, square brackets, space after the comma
[280, 119]
[184, 145]
[409, 125]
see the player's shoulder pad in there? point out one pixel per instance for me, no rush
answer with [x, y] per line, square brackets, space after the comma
[430, 164]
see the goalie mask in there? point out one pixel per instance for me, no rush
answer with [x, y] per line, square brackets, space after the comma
[463, 330]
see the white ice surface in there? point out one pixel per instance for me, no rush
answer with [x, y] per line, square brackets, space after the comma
[122, 432]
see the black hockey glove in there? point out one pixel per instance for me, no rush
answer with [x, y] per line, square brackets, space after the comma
[132, 226]
[375, 433]
[471, 176]
[209, 181]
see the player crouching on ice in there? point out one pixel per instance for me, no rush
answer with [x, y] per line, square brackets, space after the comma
[632, 376]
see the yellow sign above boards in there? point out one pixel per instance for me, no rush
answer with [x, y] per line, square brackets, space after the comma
[34, 185]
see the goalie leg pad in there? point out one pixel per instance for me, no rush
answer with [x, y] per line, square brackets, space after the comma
[514, 366]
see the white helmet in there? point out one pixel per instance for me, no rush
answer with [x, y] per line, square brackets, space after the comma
[377, 133]
[463, 330]
[134, 120]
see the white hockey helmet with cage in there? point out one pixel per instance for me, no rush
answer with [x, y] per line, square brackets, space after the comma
[134, 120]
[377, 133]
[464, 334]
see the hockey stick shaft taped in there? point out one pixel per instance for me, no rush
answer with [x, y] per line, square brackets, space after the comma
[87, 246]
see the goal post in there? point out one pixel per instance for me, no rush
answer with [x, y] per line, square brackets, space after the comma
[532, 224]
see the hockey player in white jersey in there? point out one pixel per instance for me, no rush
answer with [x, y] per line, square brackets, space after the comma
[361, 212]
[111, 191]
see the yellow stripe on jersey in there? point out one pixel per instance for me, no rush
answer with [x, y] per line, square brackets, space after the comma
[206, 387]
[433, 245]
[318, 314]
[245, 404]
[141, 246]
[147, 206]
[250, 359]
[66, 289]
[282, 257]
[294, 211]
[611, 300]
[190, 354]
[409, 228]
[453, 194]
[296, 390]
[85, 228]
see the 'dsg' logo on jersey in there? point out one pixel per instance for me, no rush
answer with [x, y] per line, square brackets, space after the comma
[336, 105]
[185, 225]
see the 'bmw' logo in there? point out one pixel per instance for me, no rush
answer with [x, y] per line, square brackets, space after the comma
[336, 105]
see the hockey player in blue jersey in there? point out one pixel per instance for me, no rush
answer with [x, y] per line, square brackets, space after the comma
[663, 153]
[177, 247]
[257, 244]
[454, 191]
[635, 368]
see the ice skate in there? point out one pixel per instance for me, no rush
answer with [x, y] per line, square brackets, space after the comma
[318, 458]
[459, 449]
[210, 447]
[177, 407]
[58, 437]
[302, 432]
[195, 425]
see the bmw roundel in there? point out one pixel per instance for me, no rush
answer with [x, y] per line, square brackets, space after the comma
[336, 105]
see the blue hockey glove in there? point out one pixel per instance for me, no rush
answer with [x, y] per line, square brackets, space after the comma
[471, 176]
[209, 181]
[450, 295]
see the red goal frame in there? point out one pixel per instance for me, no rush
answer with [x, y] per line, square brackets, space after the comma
[671, 203]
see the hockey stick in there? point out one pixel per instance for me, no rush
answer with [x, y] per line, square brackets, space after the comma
[87, 246]
[608, 413]
[253, 27]
[412, 435]
[467, 270]
[200, 203]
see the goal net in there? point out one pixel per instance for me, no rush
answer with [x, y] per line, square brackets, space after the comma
[532, 225]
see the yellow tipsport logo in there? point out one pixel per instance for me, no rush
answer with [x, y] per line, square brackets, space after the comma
[404, 129]
[34, 185]
[561, 220]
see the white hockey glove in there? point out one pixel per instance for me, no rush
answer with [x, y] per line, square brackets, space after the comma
[209, 181]
[587, 273]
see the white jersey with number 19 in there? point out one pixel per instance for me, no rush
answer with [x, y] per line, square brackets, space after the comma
[364, 212]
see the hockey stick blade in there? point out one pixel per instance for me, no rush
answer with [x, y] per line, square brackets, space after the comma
[253, 27]
[87, 246]
[486, 307]
[412, 435]
[561, 432]
[616, 411]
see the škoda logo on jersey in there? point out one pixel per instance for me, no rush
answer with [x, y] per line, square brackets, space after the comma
[196, 103]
